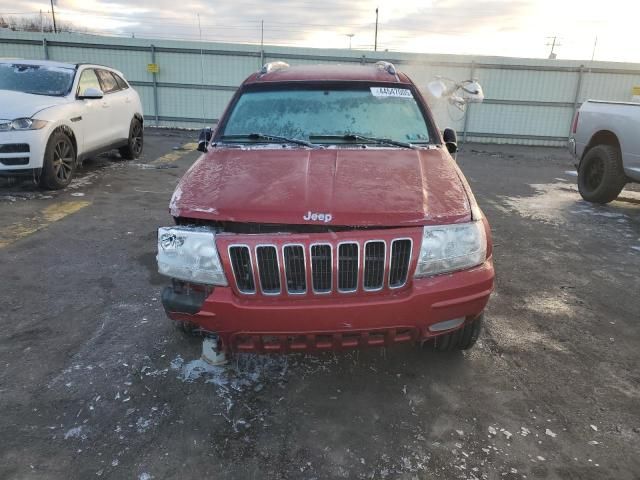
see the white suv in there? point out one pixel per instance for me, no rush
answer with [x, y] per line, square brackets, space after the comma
[54, 115]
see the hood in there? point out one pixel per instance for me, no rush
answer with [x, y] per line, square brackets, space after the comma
[348, 187]
[24, 105]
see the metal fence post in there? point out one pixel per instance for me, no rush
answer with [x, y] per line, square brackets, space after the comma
[468, 107]
[45, 48]
[155, 86]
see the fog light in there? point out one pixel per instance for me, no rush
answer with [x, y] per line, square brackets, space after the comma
[446, 325]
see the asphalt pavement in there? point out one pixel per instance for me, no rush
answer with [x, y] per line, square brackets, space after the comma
[95, 382]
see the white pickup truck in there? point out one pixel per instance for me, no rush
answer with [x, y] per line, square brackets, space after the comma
[605, 141]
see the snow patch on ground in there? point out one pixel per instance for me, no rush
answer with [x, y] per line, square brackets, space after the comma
[76, 432]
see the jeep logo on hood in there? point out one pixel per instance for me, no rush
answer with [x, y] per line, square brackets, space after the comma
[317, 217]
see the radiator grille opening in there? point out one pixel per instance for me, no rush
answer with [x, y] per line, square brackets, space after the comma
[14, 148]
[294, 269]
[400, 257]
[374, 253]
[321, 268]
[267, 258]
[347, 267]
[242, 269]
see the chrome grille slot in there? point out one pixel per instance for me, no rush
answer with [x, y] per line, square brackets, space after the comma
[400, 258]
[268, 269]
[321, 271]
[294, 268]
[240, 257]
[348, 260]
[374, 260]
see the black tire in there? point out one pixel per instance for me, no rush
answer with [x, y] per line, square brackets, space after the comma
[135, 143]
[462, 339]
[59, 163]
[601, 177]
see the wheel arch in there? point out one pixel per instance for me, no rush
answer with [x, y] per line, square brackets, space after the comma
[602, 137]
[69, 132]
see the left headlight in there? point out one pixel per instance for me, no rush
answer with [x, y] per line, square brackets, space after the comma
[23, 124]
[190, 254]
[447, 248]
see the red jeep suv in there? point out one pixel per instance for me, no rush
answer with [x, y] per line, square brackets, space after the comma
[326, 213]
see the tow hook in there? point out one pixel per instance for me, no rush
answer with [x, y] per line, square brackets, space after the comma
[211, 353]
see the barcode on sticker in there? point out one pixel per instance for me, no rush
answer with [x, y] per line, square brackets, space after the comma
[391, 92]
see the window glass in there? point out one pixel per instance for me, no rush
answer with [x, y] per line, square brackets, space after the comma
[88, 79]
[36, 79]
[122, 85]
[107, 81]
[298, 113]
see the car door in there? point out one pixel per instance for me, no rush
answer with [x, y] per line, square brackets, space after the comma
[118, 106]
[94, 124]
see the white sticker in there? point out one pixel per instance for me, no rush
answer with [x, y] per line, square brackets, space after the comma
[391, 92]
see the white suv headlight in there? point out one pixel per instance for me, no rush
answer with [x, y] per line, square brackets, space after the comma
[23, 124]
[446, 248]
[189, 254]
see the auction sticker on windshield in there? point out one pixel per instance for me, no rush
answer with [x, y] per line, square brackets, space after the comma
[391, 92]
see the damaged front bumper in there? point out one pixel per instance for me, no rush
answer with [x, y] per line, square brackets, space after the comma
[426, 308]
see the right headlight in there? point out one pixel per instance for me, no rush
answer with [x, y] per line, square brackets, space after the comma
[190, 254]
[446, 248]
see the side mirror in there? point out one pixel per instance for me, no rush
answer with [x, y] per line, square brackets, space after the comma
[450, 140]
[91, 93]
[204, 138]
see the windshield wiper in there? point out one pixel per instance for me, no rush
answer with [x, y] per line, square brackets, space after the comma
[270, 138]
[356, 137]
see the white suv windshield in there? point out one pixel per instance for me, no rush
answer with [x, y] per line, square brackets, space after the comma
[326, 115]
[36, 79]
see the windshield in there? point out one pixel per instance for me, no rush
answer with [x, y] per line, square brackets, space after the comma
[375, 112]
[37, 79]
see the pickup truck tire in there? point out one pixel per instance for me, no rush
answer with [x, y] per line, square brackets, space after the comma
[59, 163]
[601, 177]
[462, 339]
[135, 143]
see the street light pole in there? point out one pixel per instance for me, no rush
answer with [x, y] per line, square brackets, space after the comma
[350, 35]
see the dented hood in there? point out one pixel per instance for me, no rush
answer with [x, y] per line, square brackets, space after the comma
[356, 187]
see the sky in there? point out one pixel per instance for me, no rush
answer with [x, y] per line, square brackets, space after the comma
[516, 28]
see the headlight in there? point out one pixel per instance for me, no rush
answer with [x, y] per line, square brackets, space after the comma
[189, 254]
[446, 248]
[23, 124]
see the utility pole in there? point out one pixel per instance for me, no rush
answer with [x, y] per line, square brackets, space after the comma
[553, 44]
[53, 14]
[350, 35]
[375, 43]
[593, 53]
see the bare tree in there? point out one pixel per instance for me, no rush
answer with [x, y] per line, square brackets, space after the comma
[36, 24]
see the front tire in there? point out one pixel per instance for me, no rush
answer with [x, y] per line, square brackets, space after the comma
[135, 143]
[59, 163]
[462, 339]
[601, 177]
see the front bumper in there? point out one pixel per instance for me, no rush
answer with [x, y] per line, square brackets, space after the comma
[286, 324]
[22, 150]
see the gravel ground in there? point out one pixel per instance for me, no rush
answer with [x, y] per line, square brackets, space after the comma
[96, 383]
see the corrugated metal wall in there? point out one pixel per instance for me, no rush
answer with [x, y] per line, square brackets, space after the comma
[528, 101]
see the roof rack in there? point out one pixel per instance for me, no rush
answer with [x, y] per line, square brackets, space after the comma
[389, 67]
[272, 67]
